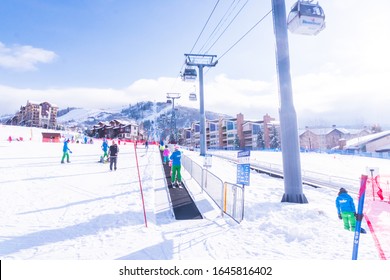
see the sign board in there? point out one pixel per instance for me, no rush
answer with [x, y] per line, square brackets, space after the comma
[243, 156]
[243, 168]
[207, 161]
[243, 171]
[372, 171]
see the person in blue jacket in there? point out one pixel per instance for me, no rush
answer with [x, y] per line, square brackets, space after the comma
[176, 167]
[105, 150]
[66, 152]
[346, 209]
[161, 145]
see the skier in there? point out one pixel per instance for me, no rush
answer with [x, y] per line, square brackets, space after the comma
[105, 150]
[66, 151]
[113, 153]
[146, 145]
[176, 167]
[346, 210]
[161, 145]
[166, 154]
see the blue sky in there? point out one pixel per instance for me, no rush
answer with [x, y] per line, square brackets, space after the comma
[110, 53]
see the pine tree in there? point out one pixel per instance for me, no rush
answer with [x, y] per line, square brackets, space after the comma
[260, 140]
[275, 140]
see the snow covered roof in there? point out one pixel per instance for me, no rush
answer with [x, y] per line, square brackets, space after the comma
[39, 103]
[327, 130]
[125, 122]
[33, 102]
[358, 141]
[385, 148]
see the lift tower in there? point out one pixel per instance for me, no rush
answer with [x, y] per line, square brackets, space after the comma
[201, 61]
[288, 118]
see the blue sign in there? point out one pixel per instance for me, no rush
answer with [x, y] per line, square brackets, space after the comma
[243, 171]
[243, 154]
[243, 167]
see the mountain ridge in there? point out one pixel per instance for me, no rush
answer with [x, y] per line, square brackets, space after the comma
[147, 113]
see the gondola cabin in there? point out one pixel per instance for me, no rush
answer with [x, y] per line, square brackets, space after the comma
[192, 97]
[189, 74]
[306, 18]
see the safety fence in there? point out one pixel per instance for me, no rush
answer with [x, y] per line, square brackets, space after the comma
[234, 201]
[377, 211]
[308, 177]
[378, 188]
[384, 155]
[227, 196]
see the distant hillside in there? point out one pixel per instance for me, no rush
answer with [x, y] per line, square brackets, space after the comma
[62, 112]
[155, 117]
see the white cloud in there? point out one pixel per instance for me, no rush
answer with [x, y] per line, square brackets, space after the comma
[233, 96]
[329, 96]
[24, 58]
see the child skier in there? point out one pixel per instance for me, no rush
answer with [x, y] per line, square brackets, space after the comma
[166, 153]
[346, 210]
[161, 145]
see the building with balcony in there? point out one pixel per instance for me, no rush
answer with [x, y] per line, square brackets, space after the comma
[116, 129]
[232, 133]
[36, 114]
[328, 137]
[212, 134]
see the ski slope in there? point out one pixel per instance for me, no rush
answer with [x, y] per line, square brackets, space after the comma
[82, 211]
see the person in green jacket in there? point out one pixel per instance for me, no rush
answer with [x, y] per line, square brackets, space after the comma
[176, 167]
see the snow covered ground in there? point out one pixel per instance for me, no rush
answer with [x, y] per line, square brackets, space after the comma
[83, 211]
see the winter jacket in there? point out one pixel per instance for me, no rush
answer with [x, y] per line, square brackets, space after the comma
[344, 203]
[105, 146]
[65, 148]
[166, 152]
[114, 150]
[176, 157]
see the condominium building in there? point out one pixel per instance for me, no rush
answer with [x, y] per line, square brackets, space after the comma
[231, 133]
[36, 114]
[328, 137]
[117, 129]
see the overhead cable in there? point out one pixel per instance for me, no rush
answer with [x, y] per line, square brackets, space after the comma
[224, 18]
[257, 23]
[216, 4]
[227, 26]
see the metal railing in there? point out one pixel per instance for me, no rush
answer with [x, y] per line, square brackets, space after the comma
[308, 177]
[234, 201]
[227, 196]
[195, 170]
[213, 186]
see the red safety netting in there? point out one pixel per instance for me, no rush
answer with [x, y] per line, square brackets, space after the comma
[377, 212]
